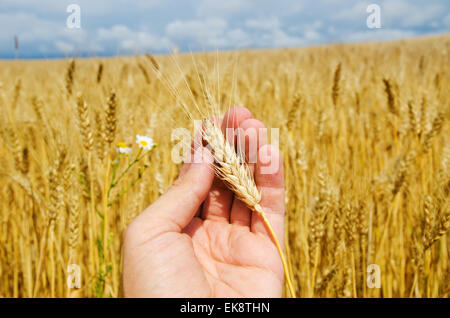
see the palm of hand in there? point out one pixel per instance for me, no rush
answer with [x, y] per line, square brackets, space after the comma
[209, 258]
[235, 261]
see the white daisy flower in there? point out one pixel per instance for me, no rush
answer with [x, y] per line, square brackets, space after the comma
[144, 142]
[123, 148]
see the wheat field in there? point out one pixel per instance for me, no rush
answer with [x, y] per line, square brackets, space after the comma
[363, 131]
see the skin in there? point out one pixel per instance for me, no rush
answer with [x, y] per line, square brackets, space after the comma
[197, 240]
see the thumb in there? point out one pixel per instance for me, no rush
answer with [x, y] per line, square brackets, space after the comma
[178, 205]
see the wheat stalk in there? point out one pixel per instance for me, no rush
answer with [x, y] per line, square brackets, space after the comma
[70, 77]
[441, 228]
[238, 178]
[100, 139]
[144, 72]
[391, 95]
[336, 84]
[84, 124]
[111, 118]
[99, 72]
[17, 89]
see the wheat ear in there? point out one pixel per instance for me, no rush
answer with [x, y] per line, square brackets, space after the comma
[237, 177]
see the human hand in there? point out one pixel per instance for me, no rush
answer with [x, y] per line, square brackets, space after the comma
[197, 240]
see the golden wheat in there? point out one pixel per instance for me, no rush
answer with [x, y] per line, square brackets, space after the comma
[364, 138]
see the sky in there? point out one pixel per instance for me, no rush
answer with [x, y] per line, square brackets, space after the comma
[128, 27]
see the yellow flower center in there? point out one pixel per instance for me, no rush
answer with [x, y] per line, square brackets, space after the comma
[144, 143]
[121, 145]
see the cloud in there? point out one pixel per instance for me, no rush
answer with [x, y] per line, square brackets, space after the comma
[271, 23]
[196, 28]
[269, 33]
[446, 20]
[28, 27]
[353, 13]
[227, 8]
[239, 38]
[54, 37]
[93, 8]
[215, 33]
[278, 38]
[31, 29]
[378, 35]
[209, 8]
[64, 47]
[131, 41]
[208, 34]
[146, 4]
[407, 14]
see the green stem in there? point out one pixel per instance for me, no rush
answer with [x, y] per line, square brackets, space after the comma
[130, 165]
[132, 184]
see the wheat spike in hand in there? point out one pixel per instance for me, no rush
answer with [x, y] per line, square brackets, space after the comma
[201, 239]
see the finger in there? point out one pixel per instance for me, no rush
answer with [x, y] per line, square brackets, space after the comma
[240, 213]
[231, 121]
[193, 226]
[196, 142]
[251, 137]
[269, 178]
[218, 203]
[178, 205]
[189, 157]
[184, 169]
